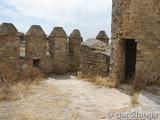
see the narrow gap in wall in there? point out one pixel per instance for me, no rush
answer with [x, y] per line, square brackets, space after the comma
[130, 59]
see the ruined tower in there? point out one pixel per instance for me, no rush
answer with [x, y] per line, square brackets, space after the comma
[135, 40]
[9, 42]
[75, 40]
[36, 47]
[102, 36]
[58, 49]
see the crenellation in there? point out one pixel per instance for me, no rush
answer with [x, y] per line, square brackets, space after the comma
[56, 53]
[58, 32]
[58, 48]
[8, 29]
[36, 48]
[9, 42]
[75, 40]
[102, 36]
[35, 42]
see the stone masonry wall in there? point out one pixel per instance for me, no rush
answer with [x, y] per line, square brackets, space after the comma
[75, 40]
[102, 36]
[36, 48]
[138, 20]
[58, 48]
[9, 42]
[49, 54]
[55, 53]
[35, 42]
[94, 61]
[10, 47]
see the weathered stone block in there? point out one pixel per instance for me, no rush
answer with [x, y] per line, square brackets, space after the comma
[9, 42]
[136, 21]
[36, 48]
[58, 48]
[94, 59]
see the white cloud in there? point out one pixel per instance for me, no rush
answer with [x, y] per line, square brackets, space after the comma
[58, 9]
[65, 12]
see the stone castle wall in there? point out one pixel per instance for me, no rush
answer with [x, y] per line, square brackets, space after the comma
[56, 53]
[94, 59]
[58, 47]
[36, 48]
[135, 44]
[50, 54]
[75, 40]
[9, 42]
[102, 36]
[36, 45]
[137, 20]
[10, 46]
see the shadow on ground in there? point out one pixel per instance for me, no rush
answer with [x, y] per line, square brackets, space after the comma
[152, 93]
[153, 97]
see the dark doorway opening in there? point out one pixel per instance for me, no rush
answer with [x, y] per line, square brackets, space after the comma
[36, 63]
[130, 58]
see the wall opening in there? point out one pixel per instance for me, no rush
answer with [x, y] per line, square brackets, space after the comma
[130, 59]
[36, 63]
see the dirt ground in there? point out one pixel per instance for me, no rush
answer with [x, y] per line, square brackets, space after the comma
[66, 98]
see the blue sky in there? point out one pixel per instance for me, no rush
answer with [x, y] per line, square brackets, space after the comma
[89, 16]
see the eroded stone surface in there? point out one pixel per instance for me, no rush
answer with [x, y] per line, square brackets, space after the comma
[94, 59]
[102, 36]
[8, 29]
[36, 48]
[58, 48]
[75, 40]
[9, 42]
[137, 20]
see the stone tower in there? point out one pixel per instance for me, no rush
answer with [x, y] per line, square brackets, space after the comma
[102, 36]
[58, 49]
[135, 40]
[9, 42]
[36, 46]
[75, 40]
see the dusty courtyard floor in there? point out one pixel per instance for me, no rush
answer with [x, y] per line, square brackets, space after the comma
[66, 98]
